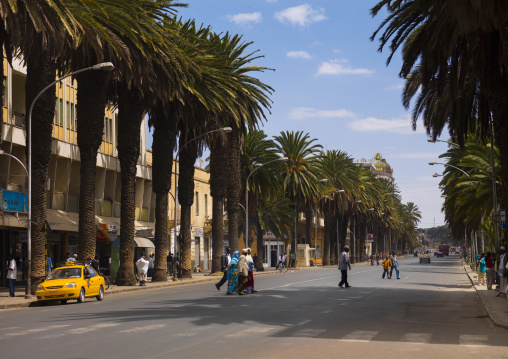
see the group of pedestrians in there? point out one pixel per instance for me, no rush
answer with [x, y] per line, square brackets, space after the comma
[238, 272]
[489, 265]
[389, 264]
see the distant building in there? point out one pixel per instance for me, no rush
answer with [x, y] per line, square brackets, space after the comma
[378, 166]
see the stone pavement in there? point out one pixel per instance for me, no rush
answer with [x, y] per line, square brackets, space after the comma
[19, 300]
[496, 307]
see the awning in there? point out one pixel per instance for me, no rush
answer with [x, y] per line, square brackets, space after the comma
[63, 221]
[11, 220]
[138, 242]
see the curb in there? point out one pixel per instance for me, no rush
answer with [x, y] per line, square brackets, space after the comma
[489, 309]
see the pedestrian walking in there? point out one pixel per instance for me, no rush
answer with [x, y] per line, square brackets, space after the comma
[142, 266]
[49, 265]
[481, 270]
[377, 258]
[344, 264]
[386, 266]
[243, 272]
[391, 263]
[250, 278]
[233, 274]
[224, 263]
[395, 265]
[151, 260]
[12, 272]
[95, 263]
[489, 271]
[501, 270]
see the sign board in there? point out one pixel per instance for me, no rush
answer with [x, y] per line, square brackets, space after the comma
[106, 232]
[23, 236]
[369, 241]
[370, 236]
[269, 235]
[14, 201]
[199, 232]
[144, 233]
[502, 217]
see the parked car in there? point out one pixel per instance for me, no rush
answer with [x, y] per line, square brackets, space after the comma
[425, 258]
[74, 281]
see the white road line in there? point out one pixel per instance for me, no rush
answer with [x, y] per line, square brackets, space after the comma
[418, 338]
[302, 323]
[472, 340]
[92, 328]
[36, 330]
[250, 331]
[143, 329]
[362, 336]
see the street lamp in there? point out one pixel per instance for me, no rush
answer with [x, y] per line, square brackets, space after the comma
[2, 152]
[437, 175]
[434, 140]
[247, 196]
[223, 130]
[449, 165]
[105, 66]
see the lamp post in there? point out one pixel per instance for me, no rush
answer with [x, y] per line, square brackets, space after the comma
[223, 130]
[2, 152]
[337, 236]
[105, 66]
[448, 165]
[247, 196]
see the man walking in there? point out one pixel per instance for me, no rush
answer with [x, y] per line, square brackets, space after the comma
[502, 271]
[344, 264]
[243, 272]
[11, 274]
[394, 264]
[224, 262]
[386, 265]
[151, 260]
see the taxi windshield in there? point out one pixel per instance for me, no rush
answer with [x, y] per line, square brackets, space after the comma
[64, 273]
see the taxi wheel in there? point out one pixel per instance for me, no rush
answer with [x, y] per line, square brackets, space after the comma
[101, 294]
[63, 301]
[81, 298]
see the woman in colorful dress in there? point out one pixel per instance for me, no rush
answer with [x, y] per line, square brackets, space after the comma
[233, 274]
[250, 279]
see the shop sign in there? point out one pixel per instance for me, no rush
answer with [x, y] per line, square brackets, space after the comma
[23, 236]
[269, 235]
[144, 233]
[106, 232]
[502, 216]
[199, 232]
[14, 201]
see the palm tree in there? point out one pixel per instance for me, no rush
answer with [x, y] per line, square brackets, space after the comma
[451, 47]
[300, 181]
[264, 186]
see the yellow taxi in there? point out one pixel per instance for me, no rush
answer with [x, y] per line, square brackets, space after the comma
[425, 258]
[74, 281]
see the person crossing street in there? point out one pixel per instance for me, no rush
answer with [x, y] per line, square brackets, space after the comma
[344, 264]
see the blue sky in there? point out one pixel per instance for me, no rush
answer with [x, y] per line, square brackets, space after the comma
[331, 82]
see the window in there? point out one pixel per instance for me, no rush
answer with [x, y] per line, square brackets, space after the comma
[197, 204]
[206, 205]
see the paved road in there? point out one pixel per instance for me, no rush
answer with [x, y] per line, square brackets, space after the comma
[432, 312]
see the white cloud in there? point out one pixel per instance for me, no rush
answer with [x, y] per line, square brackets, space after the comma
[302, 113]
[395, 87]
[299, 55]
[416, 155]
[336, 67]
[401, 126]
[246, 18]
[302, 15]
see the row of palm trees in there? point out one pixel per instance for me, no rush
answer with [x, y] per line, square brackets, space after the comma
[189, 80]
[347, 195]
[455, 67]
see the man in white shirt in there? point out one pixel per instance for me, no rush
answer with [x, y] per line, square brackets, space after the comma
[11, 274]
[151, 261]
[142, 265]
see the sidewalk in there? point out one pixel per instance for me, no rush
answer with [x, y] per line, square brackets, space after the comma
[19, 301]
[496, 307]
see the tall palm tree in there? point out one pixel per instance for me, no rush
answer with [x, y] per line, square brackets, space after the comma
[300, 181]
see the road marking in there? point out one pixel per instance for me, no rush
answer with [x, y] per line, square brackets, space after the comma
[418, 338]
[361, 336]
[327, 312]
[302, 323]
[250, 331]
[143, 329]
[308, 332]
[36, 330]
[472, 340]
[92, 328]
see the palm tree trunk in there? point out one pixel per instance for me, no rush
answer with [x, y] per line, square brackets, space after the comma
[217, 232]
[329, 217]
[40, 73]
[233, 194]
[188, 157]
[260, 248]
[309, 214]
[218, 190]
[130, 114]
[91, 105]
[164, 141]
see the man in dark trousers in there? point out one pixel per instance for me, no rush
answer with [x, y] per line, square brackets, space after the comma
[344, 264]
[224, 262]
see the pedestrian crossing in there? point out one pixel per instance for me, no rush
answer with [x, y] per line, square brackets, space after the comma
[301, 330]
